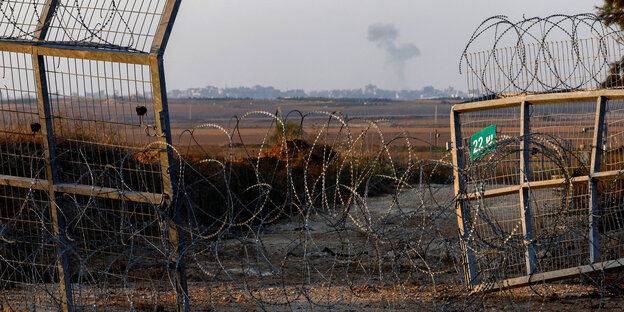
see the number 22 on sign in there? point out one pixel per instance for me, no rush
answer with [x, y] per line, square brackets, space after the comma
[482, 142]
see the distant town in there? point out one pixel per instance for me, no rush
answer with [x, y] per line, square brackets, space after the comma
[369, 91]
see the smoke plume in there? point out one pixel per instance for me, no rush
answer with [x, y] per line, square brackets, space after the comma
[385, 36]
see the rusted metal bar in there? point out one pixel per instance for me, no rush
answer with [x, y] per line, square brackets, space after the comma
[79, 189]
[86, 53]
[525, 203]
[594, 203]
[47, 132]
[558, 275]
[167, 158]
[537, 99]
[161, 39]
[109, 193]
[608, 175]
[43, 24]
[70, 51]
[462, 213]
[536, 185]
[169, 173]
[56, 212]
[35, 184]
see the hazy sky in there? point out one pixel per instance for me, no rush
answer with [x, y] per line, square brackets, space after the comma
[324, 44]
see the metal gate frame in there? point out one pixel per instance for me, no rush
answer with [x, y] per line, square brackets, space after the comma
[592, 179]
[39, 49]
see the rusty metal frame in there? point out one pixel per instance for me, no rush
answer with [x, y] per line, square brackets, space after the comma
[470, 274]
[38, 48]
[47, 131]
[592, 178]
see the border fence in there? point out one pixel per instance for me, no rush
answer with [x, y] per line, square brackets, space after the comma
[546, 190]
[551, 187]
[83, 86]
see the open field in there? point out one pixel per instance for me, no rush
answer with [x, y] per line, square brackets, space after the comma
[418, 118]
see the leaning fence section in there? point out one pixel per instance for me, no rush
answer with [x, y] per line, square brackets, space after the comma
[545, 194]
[86, 162]
[543, 191]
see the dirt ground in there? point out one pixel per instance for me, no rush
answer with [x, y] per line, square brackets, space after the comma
[318, 283]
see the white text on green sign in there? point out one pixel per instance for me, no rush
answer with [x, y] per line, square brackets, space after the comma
[482, 142]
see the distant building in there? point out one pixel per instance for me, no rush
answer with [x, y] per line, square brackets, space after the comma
[369, 91]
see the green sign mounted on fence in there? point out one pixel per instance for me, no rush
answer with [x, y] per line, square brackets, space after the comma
[482, 142]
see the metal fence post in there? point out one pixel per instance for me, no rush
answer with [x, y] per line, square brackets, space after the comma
[56, 212]
[161, 38]
[169, 168]
[168, 165]
[525, 203]
[594, 201]
[462, 213]
[47, 132]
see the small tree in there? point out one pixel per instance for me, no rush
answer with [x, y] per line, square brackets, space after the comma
[612, 12]
[293, 131]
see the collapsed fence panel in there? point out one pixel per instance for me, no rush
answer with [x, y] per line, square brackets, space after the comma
[545, 195]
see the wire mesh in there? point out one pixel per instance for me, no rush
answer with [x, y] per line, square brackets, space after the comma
[20, 19]
[568, 124]
[503, 170]
[109, 24]
[556, 235]
[116, 245]
[28, 269]
[610, 220]
[116, 24]
[104, 152]
[561, 227]
[612, 159]
[101, 112]
[496, 229]
[28, 252]
[538, 55]
[21, 151]
[610, 224]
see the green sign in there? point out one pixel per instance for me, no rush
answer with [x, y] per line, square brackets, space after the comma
[482, 142]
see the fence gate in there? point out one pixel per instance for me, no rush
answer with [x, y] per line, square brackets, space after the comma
[545, 202]
[539, 156]
[86, 168]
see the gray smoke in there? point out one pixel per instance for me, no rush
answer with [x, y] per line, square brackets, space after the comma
[385, 35]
